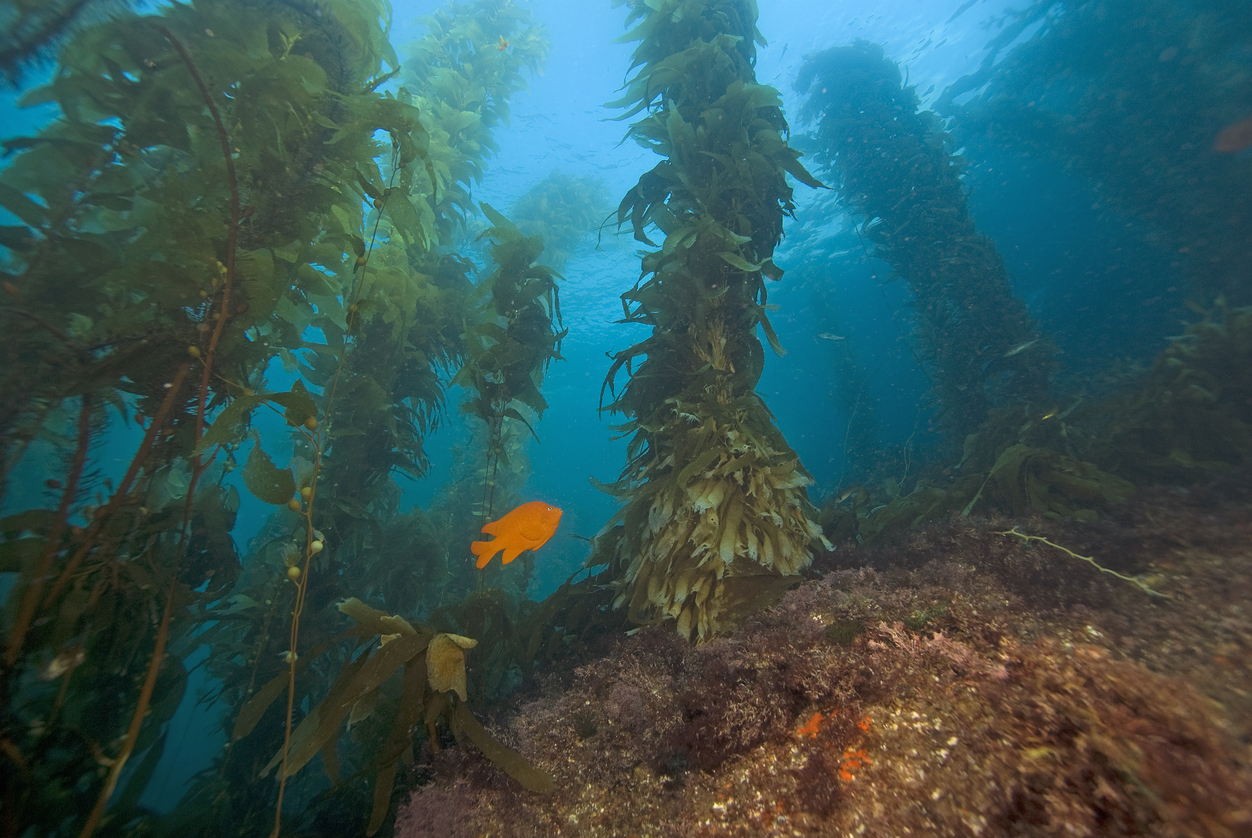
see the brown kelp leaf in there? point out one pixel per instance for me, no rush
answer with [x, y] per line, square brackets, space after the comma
[324, 720]
[307, 730]
[378, 622]
[436, 704]
[362, 709]
[330, 761]
[399, 740]
[445, 661]
[384, 782]
[511, 761]
[256, 706]
[265, 480]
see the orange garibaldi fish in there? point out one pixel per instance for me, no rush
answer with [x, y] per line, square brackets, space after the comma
[526, 528]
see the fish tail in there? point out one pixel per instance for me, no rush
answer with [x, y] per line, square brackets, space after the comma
[484, 550]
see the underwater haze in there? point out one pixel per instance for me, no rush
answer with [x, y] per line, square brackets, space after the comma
[647, 417]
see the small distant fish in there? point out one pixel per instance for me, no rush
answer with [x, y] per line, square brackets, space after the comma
[63, 663]
[1234, 138]
[503, 45]
[528, 527]
[830, 336]
[847, 493]
[1021, 347]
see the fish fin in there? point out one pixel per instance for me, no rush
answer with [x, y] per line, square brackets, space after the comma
[484, 550]
[491, 527]
[512, 553]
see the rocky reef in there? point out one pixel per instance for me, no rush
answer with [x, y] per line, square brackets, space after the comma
[955, 681]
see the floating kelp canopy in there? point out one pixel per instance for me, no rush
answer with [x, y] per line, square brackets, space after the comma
[893, 168]
[716, 518]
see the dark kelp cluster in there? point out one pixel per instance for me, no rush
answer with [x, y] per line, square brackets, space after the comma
[894, 169]
[1136, 121]
[715, 514]
[1024, 446]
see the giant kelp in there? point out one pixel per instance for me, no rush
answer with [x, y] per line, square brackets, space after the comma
[1184, 421]
[514, 340]
[31, 32]
[1190, 418]
[462, 81]
[415, 318]
[175, 240]
[716, 516]
[894, 169]
[563, 209]
[406, 673]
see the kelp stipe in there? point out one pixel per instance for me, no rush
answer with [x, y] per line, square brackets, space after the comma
[716, 518]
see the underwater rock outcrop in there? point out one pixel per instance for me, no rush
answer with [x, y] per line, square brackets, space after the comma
[975, 336]
[716, 516]
[953, 682]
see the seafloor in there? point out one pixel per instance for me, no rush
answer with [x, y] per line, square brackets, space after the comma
[954, 682]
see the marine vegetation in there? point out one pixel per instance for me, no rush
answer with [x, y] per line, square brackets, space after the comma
[562, 209]
[462, 84]
[514, 339]
[894, 169]
[413, 675]
[715, 519]
[1190, 417]
[172, 242]
[1186, 420]
[228, 245]
[1137, 122]
[30, 32]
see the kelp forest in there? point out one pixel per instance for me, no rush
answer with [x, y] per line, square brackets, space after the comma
[251, 288]
[208, 266]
